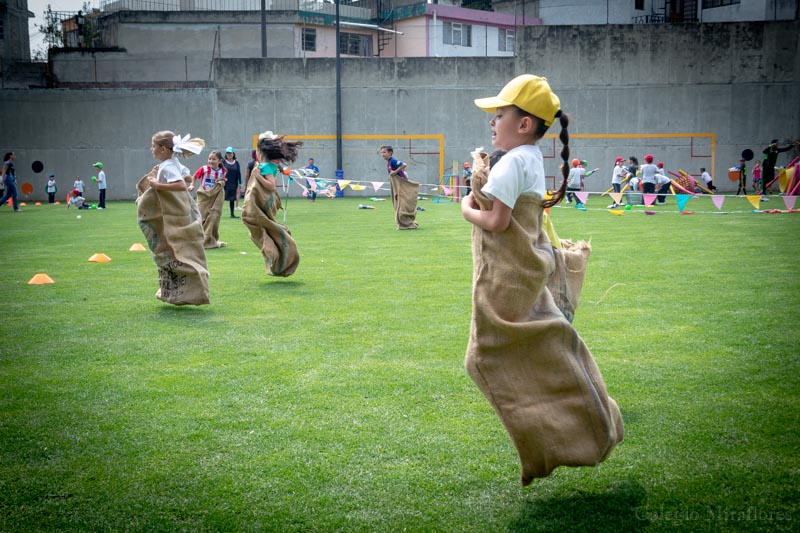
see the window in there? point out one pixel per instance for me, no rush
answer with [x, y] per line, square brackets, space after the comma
[2, 27]
[457, 34]
[355, 44]
[717, 3]
[505, 40]
[310, 39]
[638, 4]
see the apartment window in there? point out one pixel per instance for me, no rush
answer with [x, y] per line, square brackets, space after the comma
[457, 34]
[638, 4]
[355, 44]
[718, 3]
[310, 39]
[505, 40]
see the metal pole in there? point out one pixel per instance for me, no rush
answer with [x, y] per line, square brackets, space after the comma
[338, 96]
[263, 28]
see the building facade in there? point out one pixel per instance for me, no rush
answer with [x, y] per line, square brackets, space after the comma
[14, 34]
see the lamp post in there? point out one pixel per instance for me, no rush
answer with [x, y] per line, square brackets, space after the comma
[263, 28]
[338, 96]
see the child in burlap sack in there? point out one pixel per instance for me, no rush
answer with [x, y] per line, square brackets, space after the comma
[523, 353]
[210, 194]
[262, 203]
[404, 191]
[170, 221]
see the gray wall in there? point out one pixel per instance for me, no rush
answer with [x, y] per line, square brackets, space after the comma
[738, 81]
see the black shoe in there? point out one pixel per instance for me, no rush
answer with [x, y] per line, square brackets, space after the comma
[234, 216]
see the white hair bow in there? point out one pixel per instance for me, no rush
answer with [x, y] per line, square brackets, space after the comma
[268, 135]
[179, 145]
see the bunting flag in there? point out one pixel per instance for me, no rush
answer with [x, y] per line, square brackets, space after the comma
[754, 199]
[616, 196]
[582, 196]
[682, 199]
[305, 191]
[343, 183]
[377, 185]
[357, 187]
[649, 198]
[312, 183]
[789, 201]
[446, 191]
[718, 199]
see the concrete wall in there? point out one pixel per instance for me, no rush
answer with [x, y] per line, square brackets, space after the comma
[738, 81]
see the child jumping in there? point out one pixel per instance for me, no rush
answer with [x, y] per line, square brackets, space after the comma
[404, 191]
[169, 219]
[261, 204]
[523, 353]
[210, 195]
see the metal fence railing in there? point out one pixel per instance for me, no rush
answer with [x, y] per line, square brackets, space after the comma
[347, 8]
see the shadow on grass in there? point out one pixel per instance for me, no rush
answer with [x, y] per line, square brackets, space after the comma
[276, 284]
[616, 510]
[183, 311]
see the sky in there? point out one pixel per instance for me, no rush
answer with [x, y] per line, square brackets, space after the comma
[38, 7]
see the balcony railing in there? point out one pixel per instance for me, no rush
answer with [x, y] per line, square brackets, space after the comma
[347, 8]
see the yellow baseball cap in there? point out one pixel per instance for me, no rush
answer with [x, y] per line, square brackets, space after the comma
[529, 93]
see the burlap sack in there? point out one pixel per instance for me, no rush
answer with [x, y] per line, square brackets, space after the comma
[566, 282]
[209, 203]
[480, 175]
[171, 224]
[272, 238]
[527, 359]
[404, 200]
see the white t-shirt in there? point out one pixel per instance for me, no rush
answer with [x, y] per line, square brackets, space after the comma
[51, 185]
[101, 180]
[648, 173]
[172, 170]
[706, 177]
[520, 171]
[78, 185]
[619, 171]
[574, 178]
[662, 178]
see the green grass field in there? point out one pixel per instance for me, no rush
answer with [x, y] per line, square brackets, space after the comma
[336, 399]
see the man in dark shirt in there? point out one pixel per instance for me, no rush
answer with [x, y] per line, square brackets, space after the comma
[770, 158]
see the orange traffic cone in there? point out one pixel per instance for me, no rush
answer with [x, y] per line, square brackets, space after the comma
[100, 258]
[40, 279]
[136, 247]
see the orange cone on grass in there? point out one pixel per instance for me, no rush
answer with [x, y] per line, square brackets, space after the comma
[137, 247]
[40, 279]
[100, 258]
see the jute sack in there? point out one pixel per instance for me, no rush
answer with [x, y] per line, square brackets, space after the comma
[404, 200]
[526, 358]
[272, 238]
[566, 282]
[209, 203]
[171, 224]
[480, 175]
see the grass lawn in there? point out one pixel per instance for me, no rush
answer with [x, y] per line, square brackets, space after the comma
[336, 399]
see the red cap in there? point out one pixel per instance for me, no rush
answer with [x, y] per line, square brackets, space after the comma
[76, 192]
[575, 162]
[660, 164]
[619, 160]
[649, 158]
[466, 165]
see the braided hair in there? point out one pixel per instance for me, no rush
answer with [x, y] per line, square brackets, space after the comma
[558, 195]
